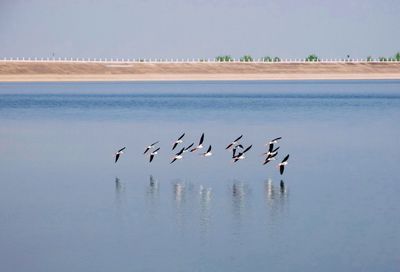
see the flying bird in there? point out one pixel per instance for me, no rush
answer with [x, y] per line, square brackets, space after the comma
[270, 158]
[241, 156]
[235, 142]
[178, 156]
[150, 147]
[200, 146]
[153, 153]
[272, 151]
[178, 141]
[282, 164]
[235, 148]
[119, 153]
[208, 153]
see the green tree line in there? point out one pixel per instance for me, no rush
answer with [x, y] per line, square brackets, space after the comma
[309, 58]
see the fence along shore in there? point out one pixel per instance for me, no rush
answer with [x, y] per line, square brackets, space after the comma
[119, 69]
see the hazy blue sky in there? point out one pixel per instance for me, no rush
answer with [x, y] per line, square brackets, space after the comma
[199, 28]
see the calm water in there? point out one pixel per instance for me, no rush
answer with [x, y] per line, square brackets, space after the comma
[65, 205]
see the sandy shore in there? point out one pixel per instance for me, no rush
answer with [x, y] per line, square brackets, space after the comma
[112, 71]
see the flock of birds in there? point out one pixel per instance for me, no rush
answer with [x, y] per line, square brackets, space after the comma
[238, 151]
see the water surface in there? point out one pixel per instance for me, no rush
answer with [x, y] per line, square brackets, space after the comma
[65, 205]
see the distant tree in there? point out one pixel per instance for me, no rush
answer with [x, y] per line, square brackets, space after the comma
[383, 59]
[312, 57]
[369, 58]
[277, 59]
[397, 56]
[267, 59]
[224, 58]
[246, 58]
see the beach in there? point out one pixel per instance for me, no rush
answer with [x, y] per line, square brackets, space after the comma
[65, 71]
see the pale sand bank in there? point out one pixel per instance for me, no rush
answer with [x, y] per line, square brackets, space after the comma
[92, 71]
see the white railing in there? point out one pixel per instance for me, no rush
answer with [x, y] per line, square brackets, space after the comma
[186, 60]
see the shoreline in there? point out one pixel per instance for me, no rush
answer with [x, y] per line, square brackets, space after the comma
[201, 71]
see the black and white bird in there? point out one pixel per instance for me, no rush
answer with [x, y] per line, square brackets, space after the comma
[271, 150]
[150, 147]
[119, 153]
[179, 141]
[153, 153]
[281, 165]
[270, 158]
[200, 145]
[235, 148]
[178, 156]
[274, 141]
[235, 142]
[241, 156]
[208, 153]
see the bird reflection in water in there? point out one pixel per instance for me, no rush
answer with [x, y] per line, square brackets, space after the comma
[153, 186]
[269, 191]
[179, 192]
[119, 187]
[282, 186]
[119, 192]
[205, 200]
[179, 188]
[275, 197]
[239, 197]
[152, 196]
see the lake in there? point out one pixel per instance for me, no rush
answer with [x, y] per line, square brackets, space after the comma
[66, 206]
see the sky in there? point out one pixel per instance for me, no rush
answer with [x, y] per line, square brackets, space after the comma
[199, 28]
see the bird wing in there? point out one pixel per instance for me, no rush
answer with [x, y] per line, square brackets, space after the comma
[147, 149]
[181, 136]
[281, 168]
[193, 149]
[239, 145]
[175, 144]
[238, 138]
[180, 152]
[173, 160]
[156, 150]
[121, 149]
[276, 149]
[201, 139]
[286, 158]
[154, 143]
[271, 146]
[234, 151]
[228, 146]
[151, 157]
[116, 157]
[247, 149]
[276, 139]
[187, 148]
[209, 149]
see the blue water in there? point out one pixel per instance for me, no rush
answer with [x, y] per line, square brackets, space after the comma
[65, 205]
